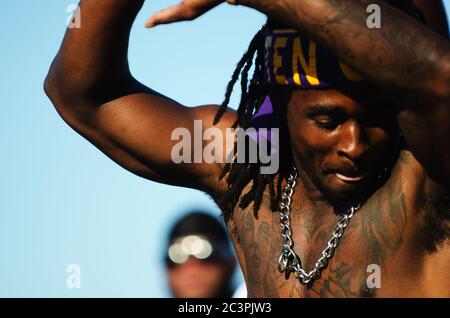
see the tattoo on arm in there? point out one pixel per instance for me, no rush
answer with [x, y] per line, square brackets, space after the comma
[402, 54]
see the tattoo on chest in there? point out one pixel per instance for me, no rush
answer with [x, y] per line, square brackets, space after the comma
[374, 234]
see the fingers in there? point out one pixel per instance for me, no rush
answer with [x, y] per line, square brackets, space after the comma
[175, 13]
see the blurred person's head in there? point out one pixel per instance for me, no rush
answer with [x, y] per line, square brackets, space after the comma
[199, 259]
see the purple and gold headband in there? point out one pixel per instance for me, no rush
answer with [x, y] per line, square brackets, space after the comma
[293, 60]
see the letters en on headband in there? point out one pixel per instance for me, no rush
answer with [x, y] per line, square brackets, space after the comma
[295, 60]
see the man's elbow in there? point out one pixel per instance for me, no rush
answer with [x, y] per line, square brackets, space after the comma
[53, 91]
[54, 88]
[47, 81]
[50, 88]
[70, 104]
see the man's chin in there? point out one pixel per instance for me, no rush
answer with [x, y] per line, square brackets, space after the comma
[345, 194]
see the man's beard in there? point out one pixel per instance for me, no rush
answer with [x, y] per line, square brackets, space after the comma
[343, 200]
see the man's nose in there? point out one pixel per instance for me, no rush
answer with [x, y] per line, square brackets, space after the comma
[353, 142]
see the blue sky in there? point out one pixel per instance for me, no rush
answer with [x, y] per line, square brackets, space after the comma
[62, 201]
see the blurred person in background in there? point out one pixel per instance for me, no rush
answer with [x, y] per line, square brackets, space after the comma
[199, 260]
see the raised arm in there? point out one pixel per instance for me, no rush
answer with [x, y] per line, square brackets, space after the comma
[92, 88]
[403, 55]
[434, 12]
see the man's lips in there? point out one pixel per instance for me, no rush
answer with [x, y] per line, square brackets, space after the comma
[346, 178]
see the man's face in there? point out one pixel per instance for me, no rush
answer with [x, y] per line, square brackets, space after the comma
[341, 139]
[198, 279]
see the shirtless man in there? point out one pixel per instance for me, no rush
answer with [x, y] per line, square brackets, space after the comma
[373, 154]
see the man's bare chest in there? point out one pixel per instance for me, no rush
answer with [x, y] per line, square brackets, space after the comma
[378, 241]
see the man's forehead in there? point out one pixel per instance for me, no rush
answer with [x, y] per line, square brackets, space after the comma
[363, 96]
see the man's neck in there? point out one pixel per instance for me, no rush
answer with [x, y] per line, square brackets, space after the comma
[306, 186]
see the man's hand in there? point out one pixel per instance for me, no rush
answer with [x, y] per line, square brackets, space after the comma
[185, 10]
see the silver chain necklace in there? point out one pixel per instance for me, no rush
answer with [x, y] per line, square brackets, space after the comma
[288, 261]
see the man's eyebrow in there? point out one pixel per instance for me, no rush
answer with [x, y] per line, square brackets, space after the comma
[320, 109]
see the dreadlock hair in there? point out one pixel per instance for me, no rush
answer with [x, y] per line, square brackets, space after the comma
[252, 97]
